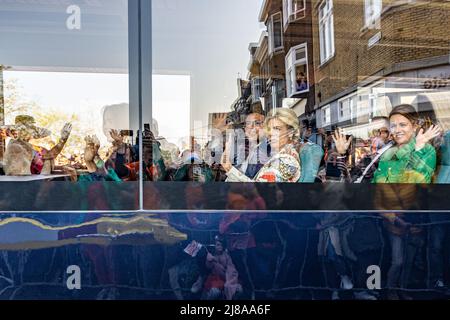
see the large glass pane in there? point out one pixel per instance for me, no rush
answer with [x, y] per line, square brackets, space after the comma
[371, 199]
[65, 112]
[204, 125]
[278, 32]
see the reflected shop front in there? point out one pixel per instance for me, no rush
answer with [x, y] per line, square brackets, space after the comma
[224, 150]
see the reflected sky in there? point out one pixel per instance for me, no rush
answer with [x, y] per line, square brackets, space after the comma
[86, 94]
[80, 94]
[207, 39]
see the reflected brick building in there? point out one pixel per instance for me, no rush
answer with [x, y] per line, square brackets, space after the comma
[280, 67]
[372, 55]
[348, 62]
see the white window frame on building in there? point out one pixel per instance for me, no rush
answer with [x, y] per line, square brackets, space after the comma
[291, 12]
[326, 115]
[258, 85]
[351, 107]
[291, 63]
[326, 31]
[275, 18]
[372, 13]
[278, 92]
[377, 105]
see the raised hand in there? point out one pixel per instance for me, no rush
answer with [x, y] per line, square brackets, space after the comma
[66, 130]
[220, 122]
[116, 136]
[4, 132]
[423, 137]
[340, 141]
[91, 149]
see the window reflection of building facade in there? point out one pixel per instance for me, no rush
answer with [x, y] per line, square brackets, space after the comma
[326, 30]
[297, 70]
[384, 55]
[290, 83]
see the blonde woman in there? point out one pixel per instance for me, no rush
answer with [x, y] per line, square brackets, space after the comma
[282, 130]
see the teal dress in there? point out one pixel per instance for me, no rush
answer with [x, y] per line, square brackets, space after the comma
[444, 165]
[310, 157]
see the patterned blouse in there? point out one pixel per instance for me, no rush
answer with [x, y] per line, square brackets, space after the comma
[282, 167]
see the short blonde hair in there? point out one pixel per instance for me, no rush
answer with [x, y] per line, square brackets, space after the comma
[288, 117]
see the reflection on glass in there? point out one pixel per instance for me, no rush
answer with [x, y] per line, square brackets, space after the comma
[316, 62]
[293, 91]
[65, 103]
[231, 256]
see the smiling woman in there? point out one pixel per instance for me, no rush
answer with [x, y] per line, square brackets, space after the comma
[412, 159]
[408, 158]
[284, 165]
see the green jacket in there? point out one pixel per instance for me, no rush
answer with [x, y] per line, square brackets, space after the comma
[406, 165]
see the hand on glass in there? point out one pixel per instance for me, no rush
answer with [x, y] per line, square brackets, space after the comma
[340, 141]
[66, 130]
[423, 137]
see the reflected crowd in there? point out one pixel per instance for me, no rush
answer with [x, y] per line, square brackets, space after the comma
[227, 256]
[251, 252]
[410, 148]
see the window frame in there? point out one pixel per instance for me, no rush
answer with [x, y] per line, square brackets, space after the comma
[271, 33]
[291, 69]
[289, 15]
[370, 18]
[257, 84]
[326, 115]
[326, 26]
[350, 115]
[139, 49]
